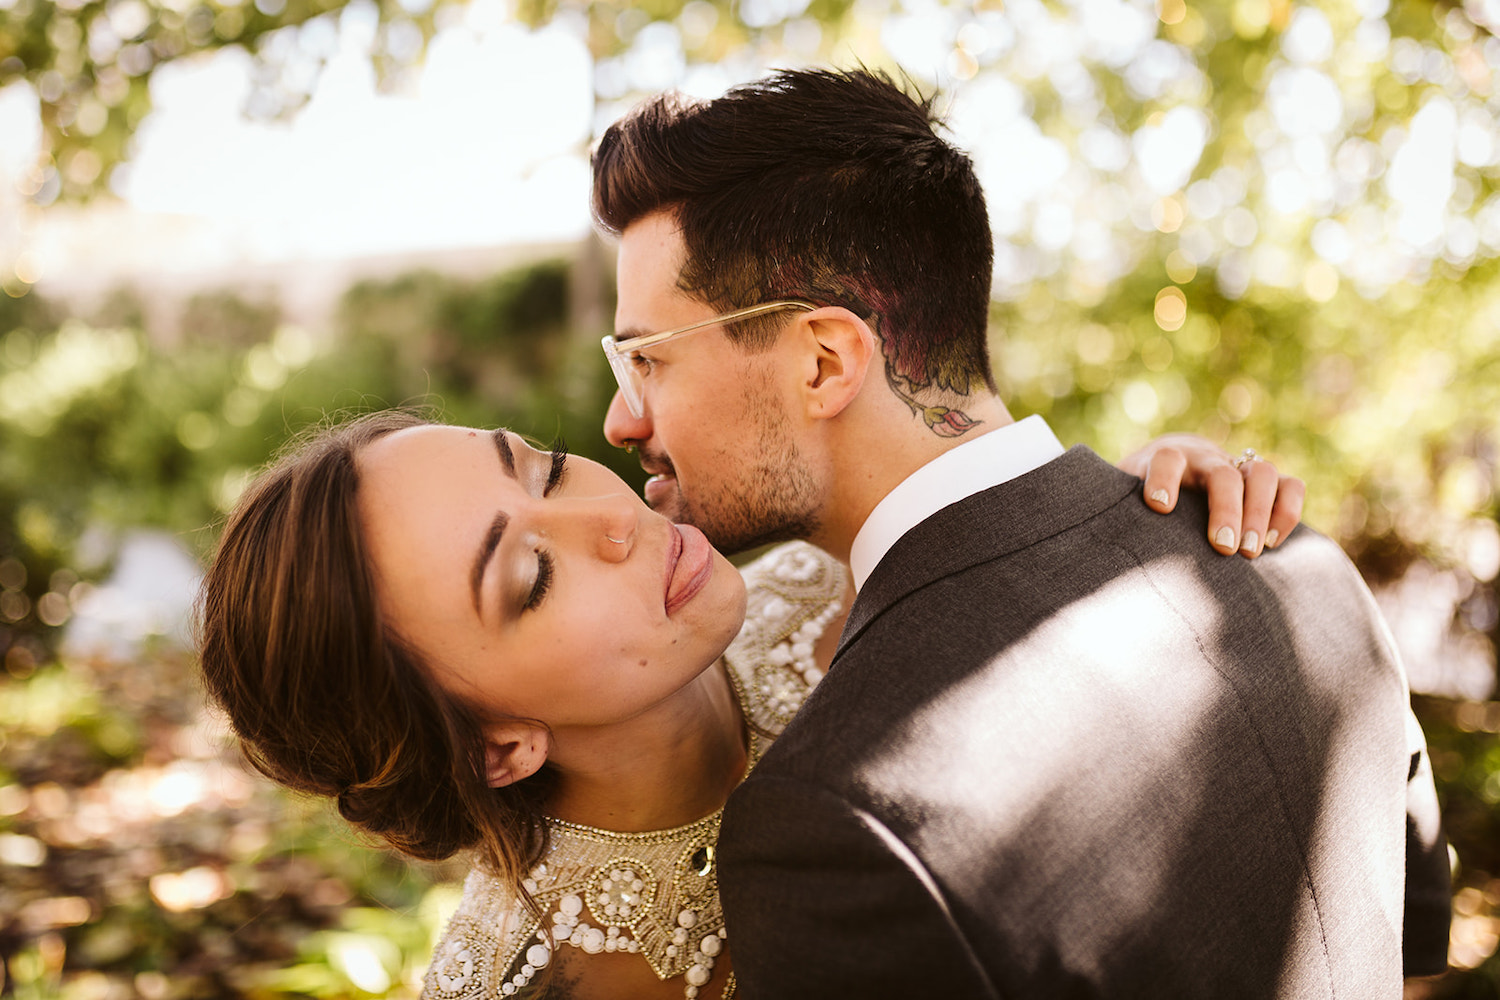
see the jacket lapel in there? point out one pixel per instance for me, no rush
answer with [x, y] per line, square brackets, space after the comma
[993, 523]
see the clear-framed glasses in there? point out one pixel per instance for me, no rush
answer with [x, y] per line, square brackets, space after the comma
[621, 353]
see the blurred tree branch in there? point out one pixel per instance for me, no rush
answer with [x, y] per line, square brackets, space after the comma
[90, 62]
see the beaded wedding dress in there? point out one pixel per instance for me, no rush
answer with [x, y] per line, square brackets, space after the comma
[652, 894]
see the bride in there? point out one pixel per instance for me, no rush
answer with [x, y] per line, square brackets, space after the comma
[471, 643]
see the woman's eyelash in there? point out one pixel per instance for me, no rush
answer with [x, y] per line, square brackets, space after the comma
[544, 568]
[559, 466]
[543, 581]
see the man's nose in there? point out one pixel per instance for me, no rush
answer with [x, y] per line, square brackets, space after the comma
[623, 428]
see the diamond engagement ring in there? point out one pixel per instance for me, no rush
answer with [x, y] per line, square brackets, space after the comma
[1246, 458]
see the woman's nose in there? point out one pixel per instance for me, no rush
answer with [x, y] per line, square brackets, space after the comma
[619, 519]
[623, 428]
[605, 525]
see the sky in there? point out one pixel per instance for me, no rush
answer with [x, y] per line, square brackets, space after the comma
[486, 145]
[358, 172]
[467, 155]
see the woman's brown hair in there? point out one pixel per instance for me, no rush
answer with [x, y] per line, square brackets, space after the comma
[323, 697]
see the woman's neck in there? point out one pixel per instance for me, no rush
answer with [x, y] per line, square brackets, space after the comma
[670, 766]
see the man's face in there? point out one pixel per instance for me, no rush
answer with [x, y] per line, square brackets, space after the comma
[716, 436]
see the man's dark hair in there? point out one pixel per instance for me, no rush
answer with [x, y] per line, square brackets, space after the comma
[818, 185]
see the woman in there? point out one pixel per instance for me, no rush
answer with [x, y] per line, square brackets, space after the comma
[469, 642]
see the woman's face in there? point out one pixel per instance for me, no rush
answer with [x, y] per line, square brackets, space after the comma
[537, 586]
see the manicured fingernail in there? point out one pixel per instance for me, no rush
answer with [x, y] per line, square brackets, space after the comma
[1248, 543]
[1160, 496]
[1271, 537]
[1225, 538]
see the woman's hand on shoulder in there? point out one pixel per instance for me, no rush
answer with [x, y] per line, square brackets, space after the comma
[1251, 506]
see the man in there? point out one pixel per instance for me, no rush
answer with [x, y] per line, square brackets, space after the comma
[1063, 749]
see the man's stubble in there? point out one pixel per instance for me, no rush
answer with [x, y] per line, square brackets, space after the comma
[770, 496]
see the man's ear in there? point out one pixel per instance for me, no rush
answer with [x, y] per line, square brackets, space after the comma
[842, 348]
[514, 750]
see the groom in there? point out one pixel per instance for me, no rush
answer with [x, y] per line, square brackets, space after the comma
[1063, 750]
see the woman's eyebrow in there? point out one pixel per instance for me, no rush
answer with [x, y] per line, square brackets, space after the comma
[497, 526]
[486, 551]
[502, 446]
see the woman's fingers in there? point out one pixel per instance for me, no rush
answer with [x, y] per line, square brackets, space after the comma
[1287, 511]
[1261, 489]
[1251, 506]
[1226, 500]
[1163, 475]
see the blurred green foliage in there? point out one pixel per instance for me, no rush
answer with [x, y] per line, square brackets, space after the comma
[1389, 407]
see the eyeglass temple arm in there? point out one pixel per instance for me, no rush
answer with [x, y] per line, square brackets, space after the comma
[637, 343]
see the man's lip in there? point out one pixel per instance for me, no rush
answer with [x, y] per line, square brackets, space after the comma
[689, 565]
[658, 490]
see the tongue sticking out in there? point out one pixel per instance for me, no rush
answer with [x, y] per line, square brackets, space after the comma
[689, 565]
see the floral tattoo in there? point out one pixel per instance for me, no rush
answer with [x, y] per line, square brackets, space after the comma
[941, 420]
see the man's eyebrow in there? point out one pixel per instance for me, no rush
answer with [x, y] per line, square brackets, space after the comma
[630, 333]
[497, 526]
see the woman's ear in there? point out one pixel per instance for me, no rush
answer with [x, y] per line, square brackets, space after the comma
[514, 750]
[842, 348]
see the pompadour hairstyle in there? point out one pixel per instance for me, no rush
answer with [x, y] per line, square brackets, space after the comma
[821, 185]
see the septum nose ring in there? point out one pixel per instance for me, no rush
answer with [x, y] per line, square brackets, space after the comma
[617, 541]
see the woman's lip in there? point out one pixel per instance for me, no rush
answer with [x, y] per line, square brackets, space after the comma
[689, 565]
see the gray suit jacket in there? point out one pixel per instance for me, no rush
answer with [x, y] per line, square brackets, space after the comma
[1065, 750]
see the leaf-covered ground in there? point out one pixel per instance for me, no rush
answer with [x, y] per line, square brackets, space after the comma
[139, 857]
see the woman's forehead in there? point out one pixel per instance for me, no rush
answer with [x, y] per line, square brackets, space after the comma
[436, 469]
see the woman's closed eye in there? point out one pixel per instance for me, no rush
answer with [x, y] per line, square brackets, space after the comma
[543, 581]
[545, 569]
[558, 468]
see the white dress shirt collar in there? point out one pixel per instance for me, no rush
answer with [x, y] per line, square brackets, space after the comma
[995, 457]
